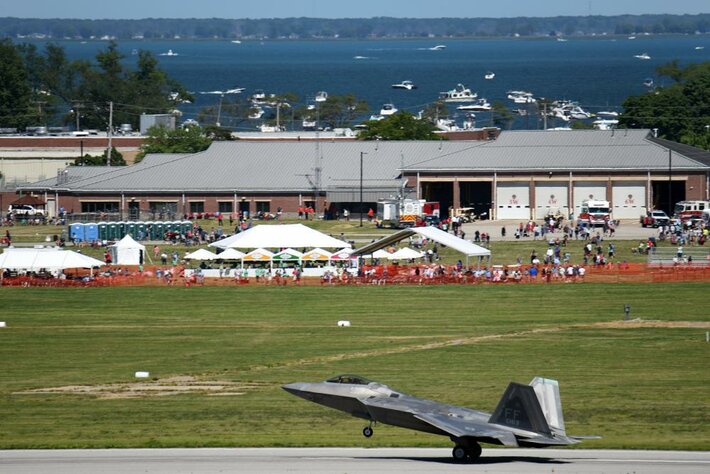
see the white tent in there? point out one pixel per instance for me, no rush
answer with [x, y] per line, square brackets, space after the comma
[231, 254]
[127, 252]
[201, 254]
[405, 254]
[51, 259]
[279, 237]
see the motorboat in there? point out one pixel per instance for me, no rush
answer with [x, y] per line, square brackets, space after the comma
[562, 40]
[170, 52]
[255, 113]
[521, 97]
[606, 113]
[567, 110]
[459, 94]
[408, 85]
[490, 76]
[236, 42]
[643, 56]
[648, 82]
[632, 37]
[321, 96]
[388, 109]
[308, 124]
[605, 124]
[438, 47]
[699, 48]
[236, 90]
[264, 128]
[481, 105]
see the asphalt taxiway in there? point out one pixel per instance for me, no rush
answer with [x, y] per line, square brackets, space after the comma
[347, 460]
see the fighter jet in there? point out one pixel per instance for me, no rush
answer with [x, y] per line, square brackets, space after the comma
[526, 416]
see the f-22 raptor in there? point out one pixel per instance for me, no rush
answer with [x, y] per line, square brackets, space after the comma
[526, 416]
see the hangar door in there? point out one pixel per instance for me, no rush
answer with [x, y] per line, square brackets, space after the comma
[513, 201]
[629, 199]
[588, 190]
[551, 198]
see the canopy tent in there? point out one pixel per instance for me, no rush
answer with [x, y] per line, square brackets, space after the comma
[127, 252]
[405, 254]
[45, 259]
[345, 254]
[381, 253]
[288, 255]
[317, 254]
[279, 237]
[231, 254]
[258, 255]
[202, 254]
[432, 233]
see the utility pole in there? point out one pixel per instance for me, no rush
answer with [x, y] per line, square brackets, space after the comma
[219, 111]
[544, 115]
[362, 153]
[670, 184]
[110, 133]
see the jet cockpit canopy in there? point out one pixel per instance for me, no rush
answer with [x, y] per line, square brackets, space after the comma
[350, 379]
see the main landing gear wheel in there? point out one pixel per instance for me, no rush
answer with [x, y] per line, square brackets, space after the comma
[460, 453]
[367, 432]
[474, 452]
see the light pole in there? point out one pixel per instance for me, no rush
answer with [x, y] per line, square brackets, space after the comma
[362, 153]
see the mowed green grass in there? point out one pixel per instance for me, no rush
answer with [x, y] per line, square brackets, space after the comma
[645, 387]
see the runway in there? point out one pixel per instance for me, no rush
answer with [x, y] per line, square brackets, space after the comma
[347, 460]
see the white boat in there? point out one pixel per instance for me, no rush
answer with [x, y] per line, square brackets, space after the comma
[490, 76]
[361, 57]
[438, 47]
[481, 105]
[408, 85]
[170, 52]
[632, 37]
[264, 128]
[236, 90]
[521, 97]
[256, 113]
[562, 40]
[648, 82]
[388, 109]
[605, 124]
[460, 94]
[699, 48]
[643, 56]
[447, 125]
[321, 96]
[567, 110]
[236, 42]
[308, 124]
[605, 113]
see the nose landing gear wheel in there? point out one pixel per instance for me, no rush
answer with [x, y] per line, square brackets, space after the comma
[367, 432]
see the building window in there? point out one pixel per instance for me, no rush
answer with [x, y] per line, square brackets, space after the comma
[163, 210]
[197, 207]
[100, 206]
[263, 206]
[226, 207]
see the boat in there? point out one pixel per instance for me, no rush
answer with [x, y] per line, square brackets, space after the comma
[459, 94]
[567, 110]
[236, 42]
[521, 97]
[236, 90]
[308, 124]
[605, 124]
[256, 113]
[134, 52]
[170, 52]
[643, 56]
[632, 37]
[562, 40]
[388, 109]
[490, 76]
[321, 96]
[605, 113]
[699, 48]
[481, 105]
[264, 128]
[408, 85]
[438, 47]
[648, 82]
[361, 57]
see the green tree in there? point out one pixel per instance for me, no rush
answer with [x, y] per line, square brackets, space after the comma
[340, 111]
[88, 160]
[501, 116]
[15, 91]
[680, 112]
[400, 126]
[180, 140]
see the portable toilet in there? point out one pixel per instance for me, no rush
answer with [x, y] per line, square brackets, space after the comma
[141, 231]
[159, 230]
[185, 227]
[112, 231]
[121, 228]
[103, 230]
[149, 230]
[130, 229]
[76, 232]
[91, 232]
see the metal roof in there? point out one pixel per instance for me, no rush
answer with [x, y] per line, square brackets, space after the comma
[286, 167]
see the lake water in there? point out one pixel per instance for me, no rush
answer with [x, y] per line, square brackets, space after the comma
[598, 73]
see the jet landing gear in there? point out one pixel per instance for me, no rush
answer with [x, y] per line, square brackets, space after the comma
[468, 453]
[367, 431]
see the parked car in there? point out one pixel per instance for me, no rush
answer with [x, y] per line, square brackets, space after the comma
[655, 219]
[25, 210]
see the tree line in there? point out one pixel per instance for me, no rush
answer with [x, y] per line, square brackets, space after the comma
[380, 27]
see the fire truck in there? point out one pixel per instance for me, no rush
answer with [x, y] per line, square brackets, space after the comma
[400, 213]
[594, 213]
[690, 210]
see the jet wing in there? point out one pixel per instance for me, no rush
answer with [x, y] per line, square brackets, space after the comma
[461, 428]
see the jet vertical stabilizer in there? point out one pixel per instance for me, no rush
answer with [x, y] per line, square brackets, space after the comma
[519, 409]
[548, 394]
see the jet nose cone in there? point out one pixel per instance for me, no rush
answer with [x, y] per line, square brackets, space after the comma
[295, 388]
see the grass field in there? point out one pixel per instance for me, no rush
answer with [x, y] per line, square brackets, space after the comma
[69, 356]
